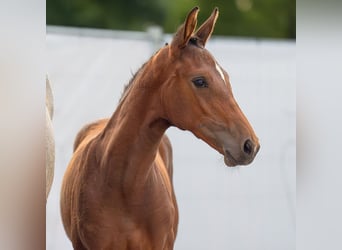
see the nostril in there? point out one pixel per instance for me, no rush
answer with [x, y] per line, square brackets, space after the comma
[248, 147]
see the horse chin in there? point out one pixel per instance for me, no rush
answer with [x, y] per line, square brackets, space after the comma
[229, 160]
[232, 161]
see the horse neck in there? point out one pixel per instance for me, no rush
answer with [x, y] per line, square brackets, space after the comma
[132, 136]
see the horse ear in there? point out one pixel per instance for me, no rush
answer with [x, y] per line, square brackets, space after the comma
[204, 32]
[186, 30]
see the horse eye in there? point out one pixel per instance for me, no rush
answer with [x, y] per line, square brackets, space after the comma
[200, 82]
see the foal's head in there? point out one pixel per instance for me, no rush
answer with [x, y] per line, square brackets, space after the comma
[197, 96]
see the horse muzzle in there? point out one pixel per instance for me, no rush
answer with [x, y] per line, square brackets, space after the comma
[248, 151]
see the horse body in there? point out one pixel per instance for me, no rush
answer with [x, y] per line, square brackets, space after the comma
[127, 160]
[117, 191]
[120, 211]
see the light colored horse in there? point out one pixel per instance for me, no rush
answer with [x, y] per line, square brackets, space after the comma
[49, 139]
[117, 191]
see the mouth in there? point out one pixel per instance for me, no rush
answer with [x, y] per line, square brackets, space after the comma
[229, 160]
[222, 142]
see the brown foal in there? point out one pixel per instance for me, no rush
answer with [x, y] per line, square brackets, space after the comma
[117, 191]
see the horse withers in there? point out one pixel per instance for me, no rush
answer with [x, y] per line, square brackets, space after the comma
[117, 191]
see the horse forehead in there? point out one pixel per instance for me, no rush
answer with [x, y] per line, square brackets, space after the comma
[200, 57]
[209, 59]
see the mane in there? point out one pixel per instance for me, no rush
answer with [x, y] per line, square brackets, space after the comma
[134, 76]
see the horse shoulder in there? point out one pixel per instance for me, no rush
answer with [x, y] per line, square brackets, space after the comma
[72, 192]
[165, 151]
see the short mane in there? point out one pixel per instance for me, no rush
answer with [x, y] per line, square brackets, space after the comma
[126, 87]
